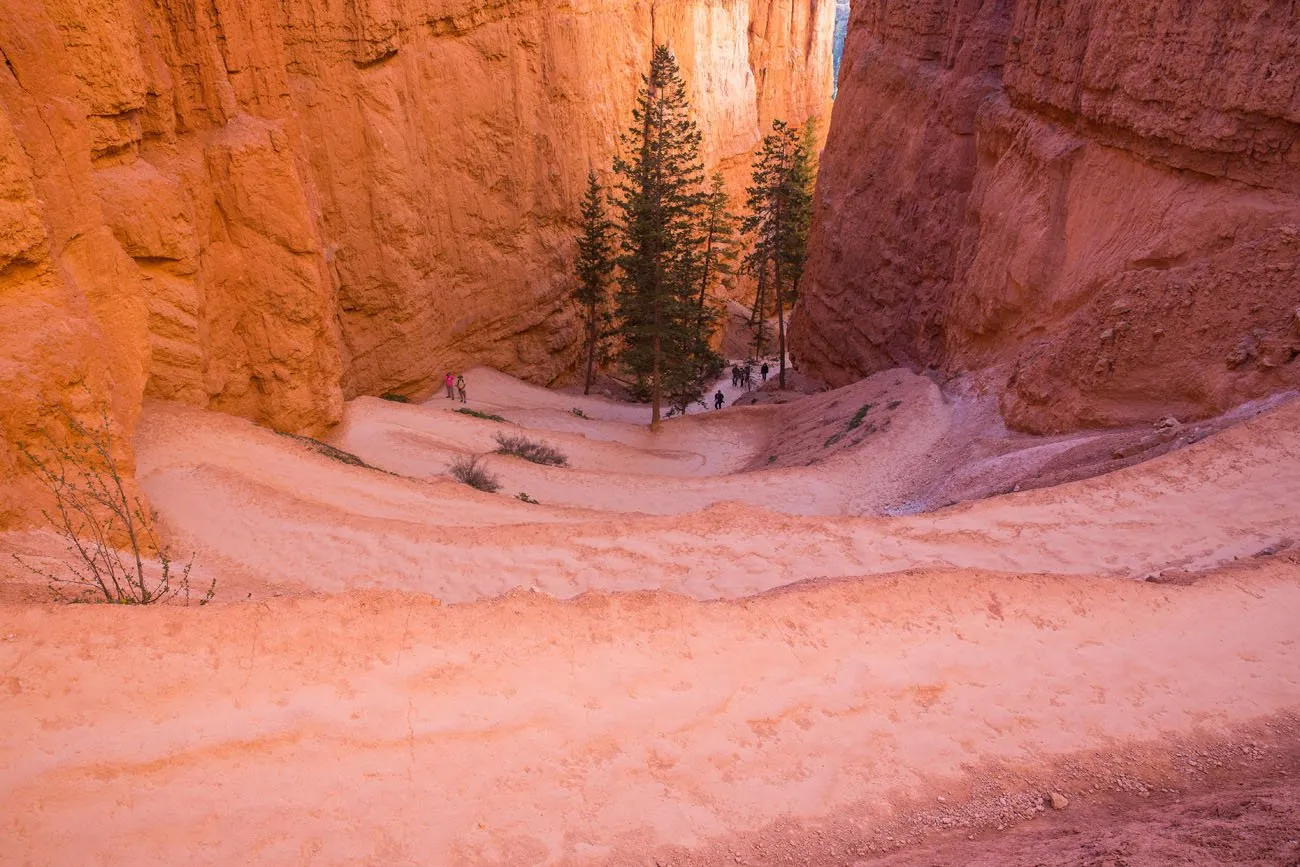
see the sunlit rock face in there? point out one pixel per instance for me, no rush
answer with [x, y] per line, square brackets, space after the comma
[268, 206]
[1098, 204]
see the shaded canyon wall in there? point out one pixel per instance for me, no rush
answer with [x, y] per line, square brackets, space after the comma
[268, 206]
[1096, 204]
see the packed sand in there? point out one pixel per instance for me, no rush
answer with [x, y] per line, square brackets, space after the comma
[736, 654]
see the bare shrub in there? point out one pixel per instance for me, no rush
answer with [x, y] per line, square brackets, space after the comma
[470, 470]
[530, 450]
[119, 557]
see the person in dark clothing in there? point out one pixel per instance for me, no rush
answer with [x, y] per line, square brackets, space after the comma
[735, 375]
[718, 400]
[763, 370]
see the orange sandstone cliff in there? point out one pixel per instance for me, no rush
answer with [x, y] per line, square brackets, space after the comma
[1095, 204]
[268, 206]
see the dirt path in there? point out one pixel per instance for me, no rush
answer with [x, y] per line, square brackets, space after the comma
[704, 699]
[269, 515]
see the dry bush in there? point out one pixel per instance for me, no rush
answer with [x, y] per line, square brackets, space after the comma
[470, 470]
[530, 450]
[119, 558]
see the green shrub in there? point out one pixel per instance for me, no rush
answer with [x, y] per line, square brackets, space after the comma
[334, 454]
[394, 397]
[833, 439]
[527, 499]
[859, 416]
[530, 450]
[579, 413]
[486, 416]
[470, 470]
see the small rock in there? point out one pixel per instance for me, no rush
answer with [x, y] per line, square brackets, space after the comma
[1108, 334]
[1058, 801]
[1245, 350]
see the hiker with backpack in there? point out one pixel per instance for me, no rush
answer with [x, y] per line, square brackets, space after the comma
[718, 400]
[460, 386]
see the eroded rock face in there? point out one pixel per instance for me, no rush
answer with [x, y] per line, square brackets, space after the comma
[1098, 203]
[267, 206]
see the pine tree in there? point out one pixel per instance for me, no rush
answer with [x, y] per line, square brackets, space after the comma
[718, 230]
[664, 336]
[780, 206]
[595, 265]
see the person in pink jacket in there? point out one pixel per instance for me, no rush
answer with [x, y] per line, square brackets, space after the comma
[450, 382]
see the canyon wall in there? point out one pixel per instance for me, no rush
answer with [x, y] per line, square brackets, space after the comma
[1094, 204]
[268, 206]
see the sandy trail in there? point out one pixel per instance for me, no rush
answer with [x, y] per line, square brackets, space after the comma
[738, 712]
[233, 493]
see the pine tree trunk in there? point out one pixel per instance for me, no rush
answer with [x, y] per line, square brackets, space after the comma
[780, 324]
[656, 389]
[591, 349]
[758, 308]
[708, 255]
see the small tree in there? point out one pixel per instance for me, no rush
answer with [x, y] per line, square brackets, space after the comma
[119, 558]
[780, 210]
[595, 265]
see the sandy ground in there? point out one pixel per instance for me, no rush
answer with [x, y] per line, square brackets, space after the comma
[731, 660]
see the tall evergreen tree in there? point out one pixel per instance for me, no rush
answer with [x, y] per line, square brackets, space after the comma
[780, 210]
[595, 265]
[721, 247]
[664, 337]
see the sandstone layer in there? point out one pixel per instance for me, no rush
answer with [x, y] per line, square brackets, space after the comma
[1098, 204]
[266, 207]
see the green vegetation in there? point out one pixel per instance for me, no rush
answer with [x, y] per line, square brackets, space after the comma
[470, 470]
[487, 416]
[334, 454]
[662, 223]
[859, 416]
[394, 397]
[595, 265]
[78, 466]
[780, 212]
[526, 499]
[530, 450]
[579, 413]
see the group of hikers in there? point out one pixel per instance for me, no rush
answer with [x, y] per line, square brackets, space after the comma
[455, 385]
[741, 374]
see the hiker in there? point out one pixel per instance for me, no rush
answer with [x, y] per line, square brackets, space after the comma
[735, 375]
[764, 371]
[747, 376]
[718, 400]
[450, 382]
[460, 386]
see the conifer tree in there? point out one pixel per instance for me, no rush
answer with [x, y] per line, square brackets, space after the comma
[664, 337]
[595, 265]
[719, 234]
[780, 210]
